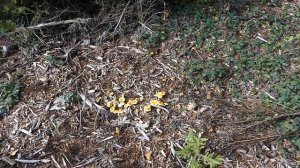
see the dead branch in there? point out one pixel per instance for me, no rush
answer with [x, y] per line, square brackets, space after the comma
[256, 123]
[63, 22]
[265, 138]
[121, 16]
[282, 116]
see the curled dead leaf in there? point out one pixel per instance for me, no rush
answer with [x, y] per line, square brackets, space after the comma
[117, 131]
[148, 155]
[191, 106]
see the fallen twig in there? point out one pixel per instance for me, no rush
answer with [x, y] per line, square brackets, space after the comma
[274, 118]
[160, 107]
[258, 122]
[167, 67]
[265, 138]
[87, 161]
[78, 20]
[55, 162]
[32, 161]
[105, 114]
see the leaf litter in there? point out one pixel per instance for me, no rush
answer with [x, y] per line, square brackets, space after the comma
[133, 109]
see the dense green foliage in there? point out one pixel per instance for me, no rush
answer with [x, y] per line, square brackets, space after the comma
[271, 59]
[152, 40]
[204, 71]
[253, 53]
[7, 26]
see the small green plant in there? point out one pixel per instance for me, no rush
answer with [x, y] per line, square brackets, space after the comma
[9, 95]
[153, 40]
[55, 61]
[193, 153]
[70, 98]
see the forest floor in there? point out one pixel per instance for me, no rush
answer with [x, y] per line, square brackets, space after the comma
[231, 76]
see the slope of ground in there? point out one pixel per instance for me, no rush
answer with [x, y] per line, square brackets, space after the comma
[230, 75]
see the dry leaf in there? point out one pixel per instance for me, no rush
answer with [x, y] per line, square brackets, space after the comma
[14, 152]
[131, 102]
[147, 108]
[148, 155]
[109, 104]
[178, 106]
[160, 94]
[157, 102]
[122, 99]
[117, 131]
[209, 96]
[191, 106]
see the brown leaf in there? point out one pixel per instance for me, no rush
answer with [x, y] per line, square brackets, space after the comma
[191, 106]
[148, 155]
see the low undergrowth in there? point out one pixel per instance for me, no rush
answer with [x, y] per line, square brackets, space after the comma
[9, 95]
[255, 46]
[254, 54]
